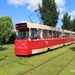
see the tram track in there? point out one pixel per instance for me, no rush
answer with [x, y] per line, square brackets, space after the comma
[66, 65]
[47, 62]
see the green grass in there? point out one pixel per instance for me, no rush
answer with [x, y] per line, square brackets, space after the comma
[70, 69]
[7, 45]
[53, 67]
[14, 65]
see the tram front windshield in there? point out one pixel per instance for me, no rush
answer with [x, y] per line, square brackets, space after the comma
[23, 34]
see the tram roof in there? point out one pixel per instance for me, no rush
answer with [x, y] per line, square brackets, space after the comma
[67, 31]
[40, 26]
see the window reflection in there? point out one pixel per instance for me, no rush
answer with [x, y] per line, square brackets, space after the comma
[23, 34]
[34, 33]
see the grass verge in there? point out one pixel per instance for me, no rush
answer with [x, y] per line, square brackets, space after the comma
[14, 65]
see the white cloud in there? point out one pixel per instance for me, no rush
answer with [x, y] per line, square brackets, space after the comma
[32, 4]
[60, 5]
[60, 2]
[61, 9]
[17, 2]
[60, 16]
[72, 14]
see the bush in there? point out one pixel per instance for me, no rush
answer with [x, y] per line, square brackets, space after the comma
[12, 38]
[1, 42]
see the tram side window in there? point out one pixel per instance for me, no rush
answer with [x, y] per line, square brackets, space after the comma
[60, 34]
[57, 34]
[45, 34]
[54, 34]
[74, 35]
[67, 35]
[50, 33]
[33, 33]
[39, 33]
[23, 34]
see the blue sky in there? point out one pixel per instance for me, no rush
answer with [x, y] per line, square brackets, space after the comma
[20, 10]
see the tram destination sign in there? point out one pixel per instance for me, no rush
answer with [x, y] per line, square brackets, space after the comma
[21, 25]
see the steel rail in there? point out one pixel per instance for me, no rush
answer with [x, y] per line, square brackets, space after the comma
[43, 63]
[66, 65]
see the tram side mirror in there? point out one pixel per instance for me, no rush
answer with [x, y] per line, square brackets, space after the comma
[31, 38]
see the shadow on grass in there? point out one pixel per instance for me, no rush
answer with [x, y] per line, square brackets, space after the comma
[73, 49]
[33, 55]
[3, 58]
[41, 53]
[3, 49]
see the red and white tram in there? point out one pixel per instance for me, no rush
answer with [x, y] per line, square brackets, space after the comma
[35, 38]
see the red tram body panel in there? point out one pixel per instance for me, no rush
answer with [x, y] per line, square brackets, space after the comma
[28, 41]
[22, 47]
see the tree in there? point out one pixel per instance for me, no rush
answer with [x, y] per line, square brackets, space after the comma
[66, 22]
[6, 27]
[73, 25]
[11, 38]
[0, 35]
[49, 13]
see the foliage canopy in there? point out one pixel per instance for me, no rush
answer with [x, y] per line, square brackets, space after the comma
[6, 27]
[68, 24]
[49, 13]
[66, 21]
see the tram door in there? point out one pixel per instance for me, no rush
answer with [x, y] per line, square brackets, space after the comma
[34, 42]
